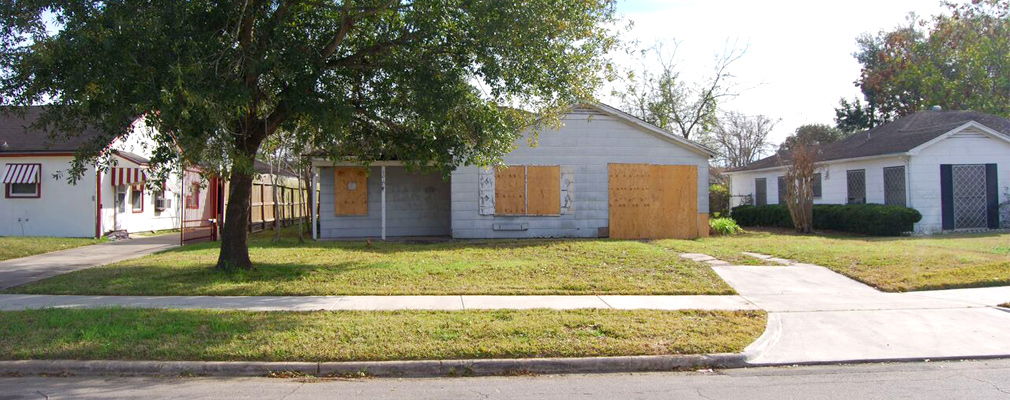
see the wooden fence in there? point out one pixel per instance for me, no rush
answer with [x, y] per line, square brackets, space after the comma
[290, 208]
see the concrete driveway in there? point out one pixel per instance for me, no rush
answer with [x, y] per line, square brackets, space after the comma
[20, 271]
[817, 315]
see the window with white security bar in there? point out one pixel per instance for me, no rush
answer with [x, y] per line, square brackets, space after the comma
[894, 186]
[856, 182]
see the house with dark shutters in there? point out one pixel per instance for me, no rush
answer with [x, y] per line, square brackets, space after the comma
[952, 166]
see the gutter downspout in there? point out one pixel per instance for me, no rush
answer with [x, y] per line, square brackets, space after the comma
[908, 181]
[312, 203]
[383, 202]
[98, 202]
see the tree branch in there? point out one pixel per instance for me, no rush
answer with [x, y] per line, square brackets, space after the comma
[359, 56]
[349, 17]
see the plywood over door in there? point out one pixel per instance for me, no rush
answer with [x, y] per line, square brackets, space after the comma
[510, 191]
[653, 201]
[543, 190]
[350, 187]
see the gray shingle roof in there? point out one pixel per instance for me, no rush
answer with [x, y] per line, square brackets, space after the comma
[897, 136]
[15, 132]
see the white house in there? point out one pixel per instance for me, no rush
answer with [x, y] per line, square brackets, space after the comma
[603, 174]
[39, 200]
[951, 166]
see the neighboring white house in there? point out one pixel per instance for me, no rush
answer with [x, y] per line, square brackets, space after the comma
[603, 174]
[952, 166]
[39, 200]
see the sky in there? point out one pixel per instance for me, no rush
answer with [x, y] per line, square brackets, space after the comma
[799, 60]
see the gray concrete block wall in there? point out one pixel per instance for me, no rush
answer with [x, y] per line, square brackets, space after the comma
[587, 143]
[416, 205]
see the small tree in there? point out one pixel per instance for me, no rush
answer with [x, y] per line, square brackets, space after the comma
[799, 180]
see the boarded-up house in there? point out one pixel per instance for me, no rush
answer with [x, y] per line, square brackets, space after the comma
[604, 173]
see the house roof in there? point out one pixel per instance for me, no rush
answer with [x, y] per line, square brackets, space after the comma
[895, 137]
[264, 169]
[690, 144]
[17, 136]
[134, 158]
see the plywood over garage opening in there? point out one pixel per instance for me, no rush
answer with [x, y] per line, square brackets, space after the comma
[653, 201]
[350, 191]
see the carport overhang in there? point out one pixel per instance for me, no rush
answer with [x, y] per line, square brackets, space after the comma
[321, 163]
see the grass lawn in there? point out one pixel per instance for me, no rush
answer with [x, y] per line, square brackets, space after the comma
[389, 268]
[892, 264]
[21, 246]
[134, 334]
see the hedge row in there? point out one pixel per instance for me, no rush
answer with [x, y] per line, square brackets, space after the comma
[868, 219]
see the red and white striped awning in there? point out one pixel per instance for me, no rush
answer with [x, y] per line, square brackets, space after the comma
[128, 176]
[22, 173]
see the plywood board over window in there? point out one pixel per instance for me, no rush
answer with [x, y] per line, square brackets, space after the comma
[510, 191]
[653, 201]
[350, 186]
[543, 190]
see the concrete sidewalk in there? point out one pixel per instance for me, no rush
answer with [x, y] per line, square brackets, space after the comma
[20, 271]
[817, 315]
[13, 302]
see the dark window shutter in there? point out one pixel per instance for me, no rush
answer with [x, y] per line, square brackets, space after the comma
[817, 185]
[782, 189]
[947, 196]
[992, 196]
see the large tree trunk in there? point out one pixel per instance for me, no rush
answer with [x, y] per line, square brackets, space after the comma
[235, 233]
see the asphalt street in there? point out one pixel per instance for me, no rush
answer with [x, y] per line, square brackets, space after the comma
[986, 379]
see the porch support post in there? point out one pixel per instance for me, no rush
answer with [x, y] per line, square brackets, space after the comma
[383, 197]
[312, 202]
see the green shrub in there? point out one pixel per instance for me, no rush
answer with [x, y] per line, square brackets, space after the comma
[772, 215]
[718, 199]
[724, 226]
[867, 219]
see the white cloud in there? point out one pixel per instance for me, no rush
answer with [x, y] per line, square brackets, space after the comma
[800, 55]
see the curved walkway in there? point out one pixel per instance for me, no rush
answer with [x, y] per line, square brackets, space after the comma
[817, 315]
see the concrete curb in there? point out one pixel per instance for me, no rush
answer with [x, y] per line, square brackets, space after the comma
[419, 368]
[771, 335]
[883, 360]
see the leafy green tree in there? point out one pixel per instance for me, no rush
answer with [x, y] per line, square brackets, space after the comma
[813, 134]
[957, 60]
[436, 83]
[851, 117]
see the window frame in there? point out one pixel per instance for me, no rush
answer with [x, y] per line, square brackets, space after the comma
[816, 186]
[135, 189]
[761, 198]
[8, 189]
[159, 196]
[526, 192]
[848, 186]
[193, 197]
[904, 185]
[782, 193]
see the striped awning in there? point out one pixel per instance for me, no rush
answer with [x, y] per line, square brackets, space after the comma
[22, 173]
[128, 176]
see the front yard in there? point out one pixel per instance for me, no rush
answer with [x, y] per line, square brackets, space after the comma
[132, 334]
[390, 268]
[21, 246]
[889, 264]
